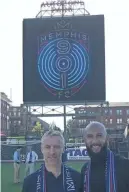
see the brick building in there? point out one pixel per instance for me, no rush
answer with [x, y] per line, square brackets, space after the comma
[22, 122]
[17, 120]
[115, 117]
[5, 103]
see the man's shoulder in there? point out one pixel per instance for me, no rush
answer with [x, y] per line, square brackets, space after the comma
[122, 166]
[73, 171]
[84, 167]
[30, 181]
[122, 160]
[32, 177]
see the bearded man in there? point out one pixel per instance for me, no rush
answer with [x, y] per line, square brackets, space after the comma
[105, 172]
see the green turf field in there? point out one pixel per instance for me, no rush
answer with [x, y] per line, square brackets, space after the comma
[7, 184]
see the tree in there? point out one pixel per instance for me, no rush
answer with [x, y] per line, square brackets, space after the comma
[54, 127]
[38, 129]
[69, 127]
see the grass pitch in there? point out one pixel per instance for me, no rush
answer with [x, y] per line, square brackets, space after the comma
[7, 184]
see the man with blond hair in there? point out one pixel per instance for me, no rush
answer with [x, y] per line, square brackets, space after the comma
[53, 174]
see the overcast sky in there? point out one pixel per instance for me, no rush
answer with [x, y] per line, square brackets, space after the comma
[116, 14]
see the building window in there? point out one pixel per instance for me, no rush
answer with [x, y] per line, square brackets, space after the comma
[119, 126]
[7, 125]
[80, 122]
[84, 121]
[119, 120]
[127, 111]
[119, 112]
[82, 112]
[81, 131]
[106, 111]
[106, 121]
[110, 111]
[110, 121]
[14, 109]
[14, 113]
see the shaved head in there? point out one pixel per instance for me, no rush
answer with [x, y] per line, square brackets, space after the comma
[95, 125]
[95, 137]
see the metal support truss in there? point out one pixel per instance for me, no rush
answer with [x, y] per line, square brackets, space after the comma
[61, 110]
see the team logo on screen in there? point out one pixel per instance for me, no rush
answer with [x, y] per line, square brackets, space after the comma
[63, 60]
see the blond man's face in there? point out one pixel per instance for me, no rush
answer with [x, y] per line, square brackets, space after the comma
[52, 149]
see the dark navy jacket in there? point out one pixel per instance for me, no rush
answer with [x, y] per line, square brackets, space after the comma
[53, 184]
[97, 179]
